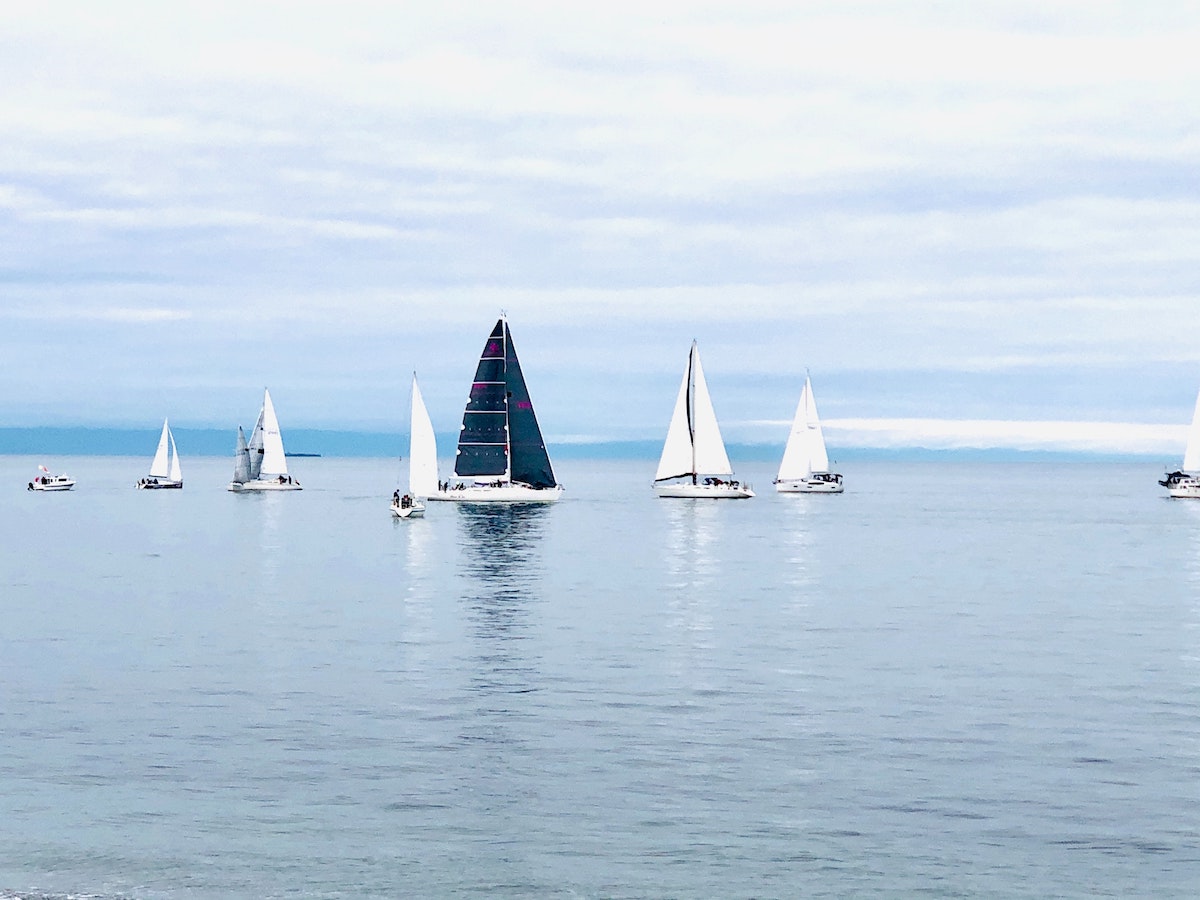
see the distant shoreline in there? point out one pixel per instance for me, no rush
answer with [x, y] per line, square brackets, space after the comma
[67, 441]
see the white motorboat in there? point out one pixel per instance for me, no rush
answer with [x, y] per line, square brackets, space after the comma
[48, 482]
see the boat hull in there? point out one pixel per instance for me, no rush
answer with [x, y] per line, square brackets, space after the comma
[261, 485]
[1185, 490]
[416, 511]
[52, 486]
[508, 493]
[806, 486]
[703, 491]
[160, 485]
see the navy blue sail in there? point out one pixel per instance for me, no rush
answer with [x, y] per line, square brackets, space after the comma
[530, 461]
[500, 436]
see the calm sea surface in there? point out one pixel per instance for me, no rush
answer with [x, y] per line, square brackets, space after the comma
[953, 680]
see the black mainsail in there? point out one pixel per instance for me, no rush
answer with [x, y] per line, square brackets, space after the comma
[500, 436]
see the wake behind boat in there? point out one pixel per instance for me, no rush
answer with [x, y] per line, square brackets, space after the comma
[48, 482]
[165, 471]
[1184, 483]
[805, 465]
[694, 447]
[500, 446]
[261, 465]
[422, 460]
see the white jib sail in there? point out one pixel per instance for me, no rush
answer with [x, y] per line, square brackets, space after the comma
[711, 458]
[159, 467]
[805, 452]
[274, 463]
[677, 450]
[1191, 456]
[422, 448]
[176, 473]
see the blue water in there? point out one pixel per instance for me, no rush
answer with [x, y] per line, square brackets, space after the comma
[976, 680]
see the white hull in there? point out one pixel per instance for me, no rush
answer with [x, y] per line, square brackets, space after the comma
[56, 485]
[162, 485]
[1188, 489]
[704, 491]
[509, 493]
[260, 484]
[807, 486]
[416, 511]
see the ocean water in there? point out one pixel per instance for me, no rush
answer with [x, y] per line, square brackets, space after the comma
[954, 680]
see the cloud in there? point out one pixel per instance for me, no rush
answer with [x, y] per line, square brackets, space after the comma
[1099, 437]
[867, 189]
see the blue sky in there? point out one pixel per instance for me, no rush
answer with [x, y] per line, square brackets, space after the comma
[954, 215]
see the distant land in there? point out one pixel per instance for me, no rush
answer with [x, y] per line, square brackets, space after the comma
[78, 441]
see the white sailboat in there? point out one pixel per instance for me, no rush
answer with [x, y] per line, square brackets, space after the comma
[694, 447]
[805, 465]
[165, 471]
[422, 460]
[501, 457]
[1184, 483]
[263, 465]
[48, 482]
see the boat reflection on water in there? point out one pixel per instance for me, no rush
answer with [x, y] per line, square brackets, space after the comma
[501, 572]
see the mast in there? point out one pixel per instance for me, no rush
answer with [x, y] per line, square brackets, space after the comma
[691, 407]
[507, 397]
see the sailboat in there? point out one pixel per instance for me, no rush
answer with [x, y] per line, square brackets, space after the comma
[422, 460]
[261, 465]
[805, 465]
[694, 447]
[165, 471]
[500, 446]
[1185, 483]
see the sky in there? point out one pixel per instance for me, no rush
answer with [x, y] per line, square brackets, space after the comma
[973, 224]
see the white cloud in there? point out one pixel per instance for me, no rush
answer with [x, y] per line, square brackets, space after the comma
[1096, 437]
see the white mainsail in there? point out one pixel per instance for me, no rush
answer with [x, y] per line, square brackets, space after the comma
[694, 443]
[160, 467]
[241, 459]
[1191, 456]
[805, 452]
[274, 463]
[422, 448]
[677, 450]
[255, 448]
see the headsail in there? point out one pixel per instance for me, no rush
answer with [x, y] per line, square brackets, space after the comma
[530, 463]
[274, 463]
[1191, 456]
[159, 467]
[176, 473]
[711, 458]
[422, 448]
